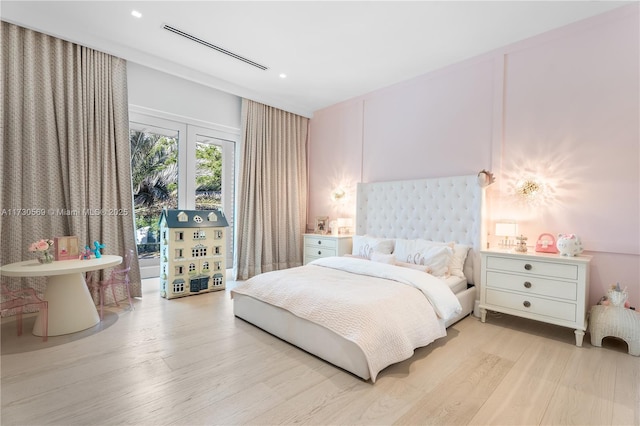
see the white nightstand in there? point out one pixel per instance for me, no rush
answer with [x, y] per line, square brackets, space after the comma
[317, 246]
[543, 287]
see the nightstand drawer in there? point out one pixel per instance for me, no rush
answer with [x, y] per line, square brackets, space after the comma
[316, 252]
[533, 305]
[549, 269]
[319, 242]
[532, 285]
[317, 246]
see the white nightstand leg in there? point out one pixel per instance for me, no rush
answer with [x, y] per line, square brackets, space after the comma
[579, 337]
[483, 314]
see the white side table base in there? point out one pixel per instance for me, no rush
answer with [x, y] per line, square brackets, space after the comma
[71, 308]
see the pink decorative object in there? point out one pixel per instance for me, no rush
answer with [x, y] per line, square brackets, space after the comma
[66, 248]
[41, 247]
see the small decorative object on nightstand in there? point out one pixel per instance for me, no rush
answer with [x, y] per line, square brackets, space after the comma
[322, 224]
[317, 246]
[521, 246]
[569, 244]
[542, 287]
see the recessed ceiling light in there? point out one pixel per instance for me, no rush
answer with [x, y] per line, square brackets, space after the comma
[136, 14]
[283, 75]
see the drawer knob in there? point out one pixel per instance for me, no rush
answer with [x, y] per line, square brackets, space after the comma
[319, 241]
[528, 266]
[527, 284]
[319, 252]
[527, 304]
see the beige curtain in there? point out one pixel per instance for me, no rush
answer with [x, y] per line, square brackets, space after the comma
[272, 194]
[65, 152]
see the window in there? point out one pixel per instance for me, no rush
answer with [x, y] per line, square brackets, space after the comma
[178, 286]
[214, 177]
[196, 165]
[199, 251]
[154, 175]
[179, 236]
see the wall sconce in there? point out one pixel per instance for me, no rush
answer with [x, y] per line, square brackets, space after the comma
[339, 195]
[529, 188]
[506, 230]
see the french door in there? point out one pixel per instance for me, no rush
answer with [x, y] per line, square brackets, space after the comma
[178, 165]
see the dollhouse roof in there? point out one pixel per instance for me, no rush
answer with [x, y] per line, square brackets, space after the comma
[194, 218]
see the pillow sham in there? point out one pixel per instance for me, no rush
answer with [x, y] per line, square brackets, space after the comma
[407, 248]
[365, 246]
[436, 255]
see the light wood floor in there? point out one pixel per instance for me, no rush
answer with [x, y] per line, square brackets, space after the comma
[189, 361]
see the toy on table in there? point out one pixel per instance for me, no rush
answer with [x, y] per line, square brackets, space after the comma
[85, 253]
[96, 249]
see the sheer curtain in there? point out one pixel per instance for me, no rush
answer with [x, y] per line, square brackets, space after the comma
[272, 193]
[65, 152]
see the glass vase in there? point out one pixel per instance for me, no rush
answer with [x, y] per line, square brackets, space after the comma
[45, 257]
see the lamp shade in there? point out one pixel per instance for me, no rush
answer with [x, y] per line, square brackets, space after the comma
[506, 229]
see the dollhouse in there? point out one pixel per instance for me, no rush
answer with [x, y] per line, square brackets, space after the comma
[192, 252]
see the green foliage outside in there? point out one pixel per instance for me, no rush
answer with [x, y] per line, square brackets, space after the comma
[208, 176]
[154, 169]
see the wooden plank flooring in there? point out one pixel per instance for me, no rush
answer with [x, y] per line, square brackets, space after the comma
[189, 361]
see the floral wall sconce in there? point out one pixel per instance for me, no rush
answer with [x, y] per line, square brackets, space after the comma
[339, 195]
[529, 189]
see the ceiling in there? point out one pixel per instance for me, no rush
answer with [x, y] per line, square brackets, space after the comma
[330, 51]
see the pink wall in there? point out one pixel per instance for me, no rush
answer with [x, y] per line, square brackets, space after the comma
[562, 107]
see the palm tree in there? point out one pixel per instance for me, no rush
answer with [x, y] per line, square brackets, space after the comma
[154, 175]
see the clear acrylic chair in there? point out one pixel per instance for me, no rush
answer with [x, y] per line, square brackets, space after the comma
[116, 277]
[18, 300]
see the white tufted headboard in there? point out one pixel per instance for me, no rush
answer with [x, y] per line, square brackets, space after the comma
[438, 209]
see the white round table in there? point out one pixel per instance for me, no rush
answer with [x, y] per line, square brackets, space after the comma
[71, 307]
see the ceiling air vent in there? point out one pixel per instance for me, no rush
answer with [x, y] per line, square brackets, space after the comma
[214, 47]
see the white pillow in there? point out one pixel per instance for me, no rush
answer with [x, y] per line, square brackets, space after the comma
[365, 246]
[456, 267]
[434, 254]
[383, 258]
[406, 248]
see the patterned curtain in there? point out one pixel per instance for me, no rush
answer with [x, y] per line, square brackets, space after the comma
[272, 194]
[64, 154]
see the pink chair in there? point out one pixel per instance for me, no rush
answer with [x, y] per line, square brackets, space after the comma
[17, 300]
[117, 277]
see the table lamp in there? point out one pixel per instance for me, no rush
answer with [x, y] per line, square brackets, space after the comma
[506, 230]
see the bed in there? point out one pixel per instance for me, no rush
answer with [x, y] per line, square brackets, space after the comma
[365, 312]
